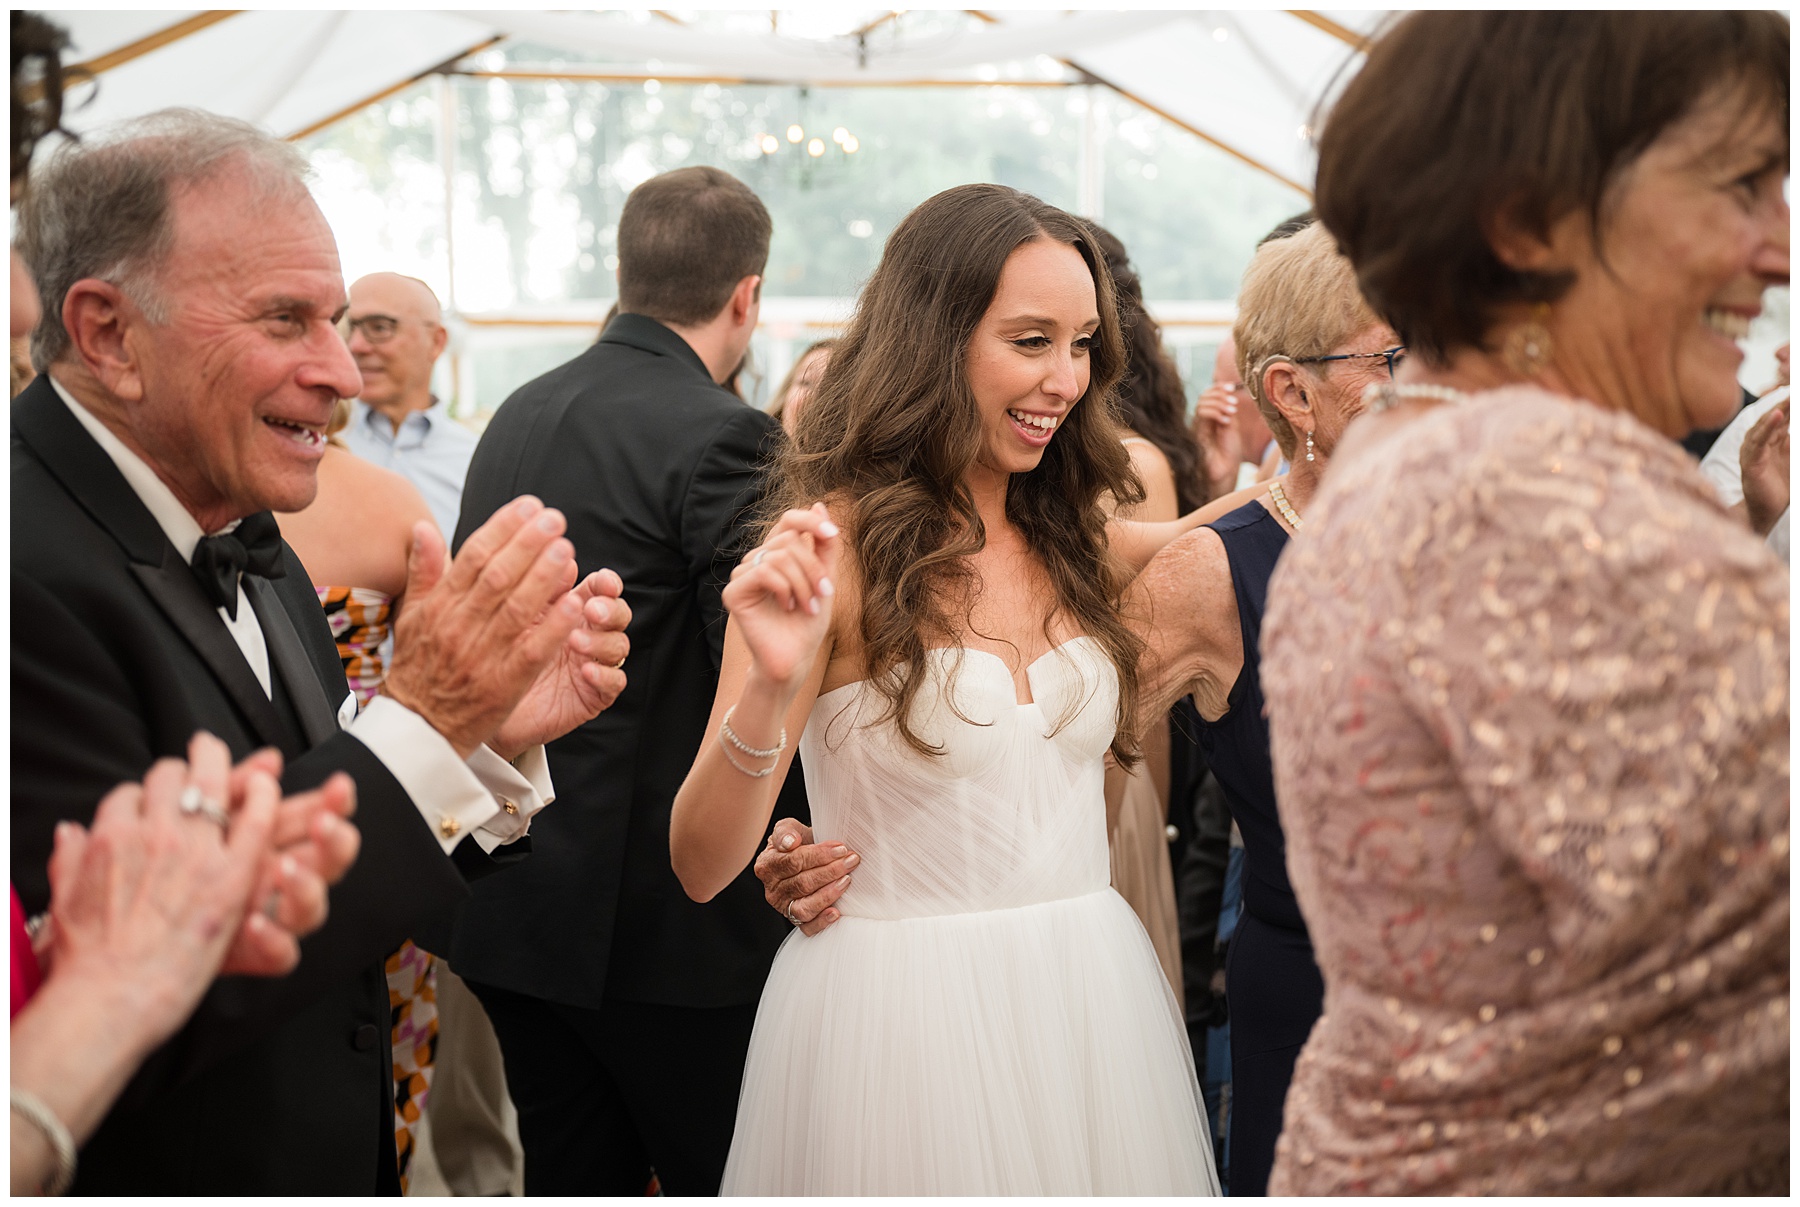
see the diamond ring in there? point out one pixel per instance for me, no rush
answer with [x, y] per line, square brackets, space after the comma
[193, 801]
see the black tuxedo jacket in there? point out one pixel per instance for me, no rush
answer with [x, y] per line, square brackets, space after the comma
[656, 468]
[275, 1086]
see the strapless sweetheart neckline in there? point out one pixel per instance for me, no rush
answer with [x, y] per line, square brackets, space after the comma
[986, 1016]
[969, 649]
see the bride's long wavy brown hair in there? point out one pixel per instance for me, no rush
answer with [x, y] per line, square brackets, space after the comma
[893, 430]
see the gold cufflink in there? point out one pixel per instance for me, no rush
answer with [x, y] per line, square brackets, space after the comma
[448, 826]
[509, 807]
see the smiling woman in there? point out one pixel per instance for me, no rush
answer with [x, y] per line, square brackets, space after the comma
[1028, 370]
[1527, 680]
[955, 663]
[1011, 420]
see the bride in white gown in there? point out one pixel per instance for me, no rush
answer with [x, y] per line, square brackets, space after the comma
[988, 1016]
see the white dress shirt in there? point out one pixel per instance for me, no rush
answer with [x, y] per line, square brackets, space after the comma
[485, 796]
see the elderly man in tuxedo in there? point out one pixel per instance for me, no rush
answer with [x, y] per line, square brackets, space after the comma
[189, 362]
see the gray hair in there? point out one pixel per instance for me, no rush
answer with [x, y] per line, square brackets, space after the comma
[100, 208]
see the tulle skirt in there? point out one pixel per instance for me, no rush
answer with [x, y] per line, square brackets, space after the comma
[1035, 1050]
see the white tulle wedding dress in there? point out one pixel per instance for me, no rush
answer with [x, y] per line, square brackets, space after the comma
[988, 1017]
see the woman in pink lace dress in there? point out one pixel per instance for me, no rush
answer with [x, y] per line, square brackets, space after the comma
[1527, 679]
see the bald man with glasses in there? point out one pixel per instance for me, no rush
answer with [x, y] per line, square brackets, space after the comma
[396, 333]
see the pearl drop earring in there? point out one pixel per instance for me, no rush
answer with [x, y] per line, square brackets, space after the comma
[1309, 450]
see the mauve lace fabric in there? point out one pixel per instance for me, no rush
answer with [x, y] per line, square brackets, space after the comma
[1528, 688]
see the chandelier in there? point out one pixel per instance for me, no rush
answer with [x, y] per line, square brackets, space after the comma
[808, 147]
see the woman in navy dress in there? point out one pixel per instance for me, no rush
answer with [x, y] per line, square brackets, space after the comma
[1308, 346]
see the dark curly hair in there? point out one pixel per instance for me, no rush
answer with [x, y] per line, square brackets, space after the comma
[891, 433]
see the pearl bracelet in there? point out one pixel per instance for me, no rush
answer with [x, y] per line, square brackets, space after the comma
[28, 1106]
[729, 735]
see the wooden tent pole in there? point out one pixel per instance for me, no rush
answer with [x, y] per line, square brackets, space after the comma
[1342, 33]
[34, 92]
[638, 77]
[1196, 131]
[156, 41]
[441, 69]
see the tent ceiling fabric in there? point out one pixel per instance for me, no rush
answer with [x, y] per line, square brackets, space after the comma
[283, 70]
[1253, 90]
[1246, 79]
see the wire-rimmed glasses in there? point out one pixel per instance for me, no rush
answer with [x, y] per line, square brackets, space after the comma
[376, 328]
[1392, 356]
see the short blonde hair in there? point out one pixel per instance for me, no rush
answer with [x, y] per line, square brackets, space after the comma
[340, 419]
[1299, 298]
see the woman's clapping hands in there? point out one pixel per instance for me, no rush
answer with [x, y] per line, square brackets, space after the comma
[162, 898]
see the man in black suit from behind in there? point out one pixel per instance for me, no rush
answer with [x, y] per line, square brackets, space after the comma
[623, 1008]
[189, 364]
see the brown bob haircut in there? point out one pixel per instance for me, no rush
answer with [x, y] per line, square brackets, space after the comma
[1460, 116]
[686, 238]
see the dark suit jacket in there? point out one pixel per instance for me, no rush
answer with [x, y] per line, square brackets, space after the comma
[275, 1086]
[656, 468]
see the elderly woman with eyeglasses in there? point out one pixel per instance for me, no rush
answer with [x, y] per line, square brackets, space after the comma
[1308, 346]
[1527, 678]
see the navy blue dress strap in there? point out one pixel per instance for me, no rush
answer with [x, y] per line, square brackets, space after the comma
[1272, 985]
[1236, 746]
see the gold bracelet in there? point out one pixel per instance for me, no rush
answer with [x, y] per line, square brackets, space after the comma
[62, 1145]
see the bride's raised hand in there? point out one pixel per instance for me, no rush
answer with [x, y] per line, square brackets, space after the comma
[780, 594]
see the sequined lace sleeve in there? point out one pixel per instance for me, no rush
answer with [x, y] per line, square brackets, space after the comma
[1528, 695]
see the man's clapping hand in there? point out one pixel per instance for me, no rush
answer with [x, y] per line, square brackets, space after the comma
[478, 632]
[583, 679]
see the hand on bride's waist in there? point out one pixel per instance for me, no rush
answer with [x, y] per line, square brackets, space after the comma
[801, 879]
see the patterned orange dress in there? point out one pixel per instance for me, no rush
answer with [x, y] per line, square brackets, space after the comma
[360, 620]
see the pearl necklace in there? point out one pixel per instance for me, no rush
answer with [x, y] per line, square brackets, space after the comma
[1382, 396]
[1283, 506]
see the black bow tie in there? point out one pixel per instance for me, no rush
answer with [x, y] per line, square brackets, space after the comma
[253, 547]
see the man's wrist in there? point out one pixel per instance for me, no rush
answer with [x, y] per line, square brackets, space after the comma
[511, 752]
[463, 746]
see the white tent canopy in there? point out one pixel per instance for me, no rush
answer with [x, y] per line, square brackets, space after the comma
[1247, 81]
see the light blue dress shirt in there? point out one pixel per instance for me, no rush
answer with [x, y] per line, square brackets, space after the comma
[431, 450]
